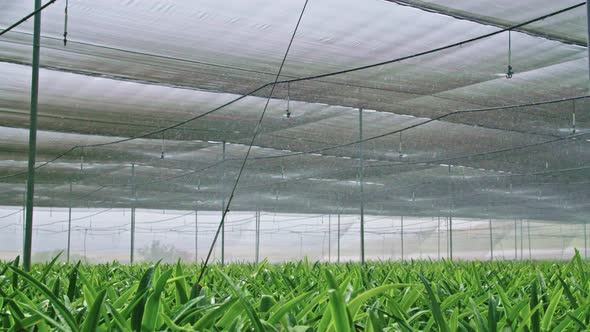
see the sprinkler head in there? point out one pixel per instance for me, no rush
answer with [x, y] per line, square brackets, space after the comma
[510, 72]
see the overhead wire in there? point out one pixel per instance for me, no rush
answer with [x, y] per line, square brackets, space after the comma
[22, 20]
[254, 135]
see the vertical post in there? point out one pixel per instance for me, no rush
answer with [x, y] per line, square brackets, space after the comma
[447, 235]
[450, 214]
[196, 235]
[223, 206]
[85, 235]
[329, 238]
[339, 238]
[588, 36]
[323, 242]
[402, 235]
[27, 243]
[69, 222]
[24, 214]
[361, 180]
[132, 247]
[257, 235]
[585, 243]
[438, 233]
[521, 240]
[515, 241]
[301, 245]
[491, 240]
[528, 228]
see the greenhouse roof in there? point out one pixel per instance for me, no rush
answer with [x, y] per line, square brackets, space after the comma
[443, 132]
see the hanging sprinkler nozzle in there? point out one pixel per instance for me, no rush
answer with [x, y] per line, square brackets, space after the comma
[66, 23]
[510, 72]
[288, 111]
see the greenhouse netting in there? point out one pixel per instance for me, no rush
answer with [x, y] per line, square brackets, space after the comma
[398, 129]
[294, 165]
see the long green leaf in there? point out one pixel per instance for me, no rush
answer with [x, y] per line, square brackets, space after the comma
[286, 307]
[548, 316]
[340, 315]
[434, 306]
[93, 316]
[152, 306]
[144, 285]
[355, 304]
[247, 305]
[57, 304]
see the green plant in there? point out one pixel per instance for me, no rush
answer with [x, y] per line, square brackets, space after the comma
[297, 296]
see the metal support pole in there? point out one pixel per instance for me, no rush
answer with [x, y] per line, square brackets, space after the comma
[301, 245]
[69, 223]
[85, 236]
[588, 50]
[361, 180]
[196, 236]
[585, 243]
[23, 214]
[257, 236]
[329, 238]
[491, 240]
[132, 248]
[588, 36]
[402, 235]
[438, 234]
[450, 214]
[447, 236]
[528, 229]
[323, 243]
[223, 206]
[28, 241]
[521, 240]
[338, 238]
[515, 241]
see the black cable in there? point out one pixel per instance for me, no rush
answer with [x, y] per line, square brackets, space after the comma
[19, 22]
[75, 219]
[11, 214]
[303, 79]
[255, 134]
[438, 49]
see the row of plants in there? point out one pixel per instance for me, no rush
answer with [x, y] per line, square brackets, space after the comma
[298, 296]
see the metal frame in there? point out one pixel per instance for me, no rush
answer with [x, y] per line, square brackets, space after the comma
[329, 238]
[28, 238]
[402, 235]
[338, 260]
[585, 243]
[515, 240]
[257, 249]
[361, 185]
[451, 199]
[491, 240]
[69, 223]
[134, 195]
[438, 237]
[223, 204]
[196, 236]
